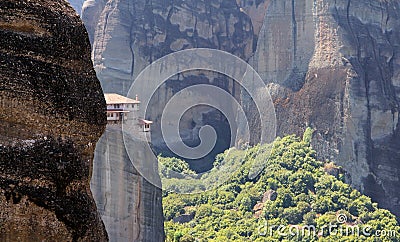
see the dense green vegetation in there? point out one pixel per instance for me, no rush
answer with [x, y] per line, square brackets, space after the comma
[294, 191]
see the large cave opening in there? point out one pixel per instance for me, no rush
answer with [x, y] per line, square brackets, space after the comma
[194, 118]
[189, 126]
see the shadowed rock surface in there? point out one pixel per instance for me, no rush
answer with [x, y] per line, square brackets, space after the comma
[52, 112]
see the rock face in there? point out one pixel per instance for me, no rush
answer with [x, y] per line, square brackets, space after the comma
[126, 37]
[331, 65]
[130, 206]
[51, 115]
[256, 10]
[336, 69]
[77, 5]
[129, 35]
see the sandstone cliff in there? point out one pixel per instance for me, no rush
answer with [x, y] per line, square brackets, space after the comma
[126, 37]
[336, 69]
[331, 65]
[130, 206]
[129, 35]
[51, 115]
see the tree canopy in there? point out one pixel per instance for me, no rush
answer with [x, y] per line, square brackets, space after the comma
[296, 197]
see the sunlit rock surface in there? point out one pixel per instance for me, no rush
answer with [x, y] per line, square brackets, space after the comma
[127, 36]
[331, 65]
[334, 66]
[130, 206]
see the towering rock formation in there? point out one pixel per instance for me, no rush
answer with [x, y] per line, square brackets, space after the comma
[52, 113]
[129, 35]
[334, 66]
[126, 37]
[130, 206]
[77, 5]
[331, 65]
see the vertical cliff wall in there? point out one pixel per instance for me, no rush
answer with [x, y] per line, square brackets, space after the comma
[129, 204]
[127, 36]
[51, 116]
[333, 65]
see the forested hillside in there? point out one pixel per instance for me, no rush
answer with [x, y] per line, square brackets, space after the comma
[295, 198]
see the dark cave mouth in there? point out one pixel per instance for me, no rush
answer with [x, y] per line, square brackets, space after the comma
[188, 128]
[183, 87]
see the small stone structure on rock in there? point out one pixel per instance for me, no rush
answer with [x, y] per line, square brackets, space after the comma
[121, 109]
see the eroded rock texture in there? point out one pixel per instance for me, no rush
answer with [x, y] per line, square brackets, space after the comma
[129, 35]
[256, 10]
[331, 65]
[52, 112]
[334, 66]
[126, 37]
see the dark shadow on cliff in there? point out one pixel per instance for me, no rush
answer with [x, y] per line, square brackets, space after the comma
[45, 171]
